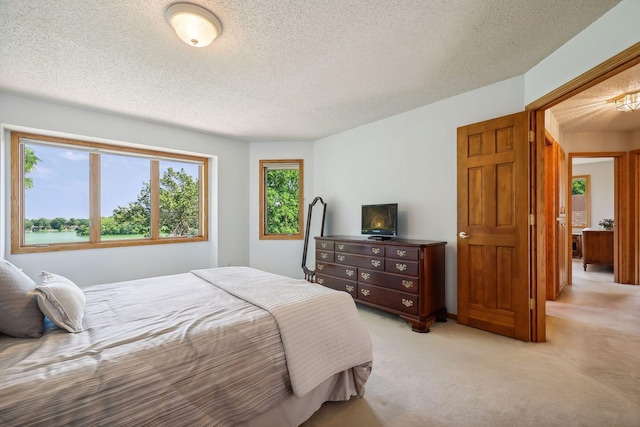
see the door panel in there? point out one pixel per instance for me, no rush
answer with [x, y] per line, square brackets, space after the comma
[493, 206]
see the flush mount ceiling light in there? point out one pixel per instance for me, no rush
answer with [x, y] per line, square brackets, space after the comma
[628, 101]
[194, 25]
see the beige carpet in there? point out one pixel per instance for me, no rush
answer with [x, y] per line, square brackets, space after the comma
[586, 374]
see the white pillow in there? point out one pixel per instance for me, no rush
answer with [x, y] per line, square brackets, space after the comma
[62, 301]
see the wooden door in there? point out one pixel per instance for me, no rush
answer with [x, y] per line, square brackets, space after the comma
[551, 209]
[634, 226]
[493, 225]
[556, 228]
[563, 235]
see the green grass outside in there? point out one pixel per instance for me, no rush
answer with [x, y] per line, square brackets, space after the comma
[50, 237]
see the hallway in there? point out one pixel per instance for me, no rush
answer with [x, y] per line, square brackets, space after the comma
[594, 301]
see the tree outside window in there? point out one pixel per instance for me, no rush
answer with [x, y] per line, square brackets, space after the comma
[281, 197]
[76, 194]
[580, 215]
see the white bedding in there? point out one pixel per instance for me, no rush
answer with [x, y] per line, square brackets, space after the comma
[321, 331]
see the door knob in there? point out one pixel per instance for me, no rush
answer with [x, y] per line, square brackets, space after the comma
[463, 235]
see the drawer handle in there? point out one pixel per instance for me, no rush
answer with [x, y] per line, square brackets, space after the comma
[350, 272]
[341, 257]
[407, 284]
[341, 247]
[365, 292]
[349, 288]
[407, 302]
[401, 267]
[320, 280]
[324, 245]
[365, 276]
[375, 250]
[401, 253]
[323, 255]
[375, 263]
[320, 266]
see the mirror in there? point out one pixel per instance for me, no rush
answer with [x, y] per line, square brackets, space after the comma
[315, 227]
[580, 214]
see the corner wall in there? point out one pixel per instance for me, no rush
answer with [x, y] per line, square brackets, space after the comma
[277, 256]
[409, 159]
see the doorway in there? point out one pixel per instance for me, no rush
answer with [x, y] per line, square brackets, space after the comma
[532, 138]
[595, 195]
[628, 227]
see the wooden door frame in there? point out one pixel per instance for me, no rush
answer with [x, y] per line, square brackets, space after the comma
[634, 205]
[618, 63]
[621, 256]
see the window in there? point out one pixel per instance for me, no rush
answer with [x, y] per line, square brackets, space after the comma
[281, 196]
[71, 194]
[580, 212]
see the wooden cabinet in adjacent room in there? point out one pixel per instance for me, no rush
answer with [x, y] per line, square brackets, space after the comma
[597, 247]
[405, 277]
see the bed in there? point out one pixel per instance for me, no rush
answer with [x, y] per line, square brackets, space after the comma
[221, 346]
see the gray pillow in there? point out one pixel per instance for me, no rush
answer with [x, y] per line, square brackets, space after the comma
[20, 316]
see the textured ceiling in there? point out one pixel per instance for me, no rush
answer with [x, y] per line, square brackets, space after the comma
[593, 109]
[281, 70]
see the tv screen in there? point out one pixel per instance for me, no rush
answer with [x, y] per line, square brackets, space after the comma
[380, 220]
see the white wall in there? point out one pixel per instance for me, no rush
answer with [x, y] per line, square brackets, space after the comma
[552, 126]
[601, 183]
[609, 35]
[277, 256]
[581, 142]
[409, 159]
[229, 199]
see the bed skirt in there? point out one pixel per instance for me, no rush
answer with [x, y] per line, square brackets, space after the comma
[295, 410]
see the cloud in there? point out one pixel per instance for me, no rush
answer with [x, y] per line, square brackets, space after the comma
[70, 155]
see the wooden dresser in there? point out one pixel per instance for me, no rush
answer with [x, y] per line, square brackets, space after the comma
[405, 277]
[597, 247]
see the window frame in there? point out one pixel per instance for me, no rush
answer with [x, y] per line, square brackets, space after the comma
[264, 167]
[94, 149]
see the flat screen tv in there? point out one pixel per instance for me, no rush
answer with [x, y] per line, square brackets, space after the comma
[380, 221]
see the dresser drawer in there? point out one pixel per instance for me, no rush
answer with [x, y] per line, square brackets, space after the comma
[388, 280]
[403, 252]
[337, 283]
[360, 261]
[346, 272]
[410, 268]
[327, 256]
[400, 301]
[324, 245]
[360, 249]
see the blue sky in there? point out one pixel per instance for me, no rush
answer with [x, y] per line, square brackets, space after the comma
[61, 182]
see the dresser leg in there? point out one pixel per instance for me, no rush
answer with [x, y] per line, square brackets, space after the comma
[418, 325]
